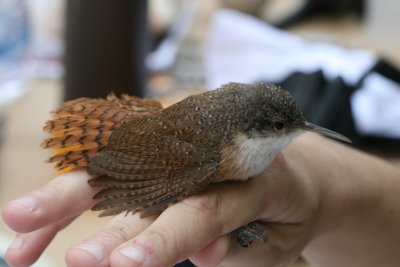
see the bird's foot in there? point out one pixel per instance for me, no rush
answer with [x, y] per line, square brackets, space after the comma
[253, 231]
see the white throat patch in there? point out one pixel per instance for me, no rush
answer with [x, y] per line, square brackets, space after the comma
[255, 154]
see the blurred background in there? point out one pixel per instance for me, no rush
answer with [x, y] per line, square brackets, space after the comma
[339, 58]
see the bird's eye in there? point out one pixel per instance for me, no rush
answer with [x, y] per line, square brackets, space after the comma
[278, 126]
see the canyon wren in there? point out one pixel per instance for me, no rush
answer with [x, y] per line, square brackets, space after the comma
[154, 160]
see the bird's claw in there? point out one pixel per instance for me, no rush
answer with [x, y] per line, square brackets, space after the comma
[253, 231]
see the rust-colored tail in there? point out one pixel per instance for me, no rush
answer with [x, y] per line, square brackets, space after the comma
[81, 127]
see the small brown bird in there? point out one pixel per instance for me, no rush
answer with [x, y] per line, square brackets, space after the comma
[155, 157]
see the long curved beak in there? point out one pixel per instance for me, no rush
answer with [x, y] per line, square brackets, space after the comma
[321, 130]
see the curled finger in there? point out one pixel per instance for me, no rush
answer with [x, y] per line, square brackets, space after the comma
[96, 250]
[188, 226]
[27, 247]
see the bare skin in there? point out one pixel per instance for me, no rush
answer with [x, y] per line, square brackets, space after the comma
[332, 204]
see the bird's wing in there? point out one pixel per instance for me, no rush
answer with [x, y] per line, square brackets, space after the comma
[81, 127]
[151, 178]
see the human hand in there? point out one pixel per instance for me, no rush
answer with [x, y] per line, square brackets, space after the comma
[285, 199]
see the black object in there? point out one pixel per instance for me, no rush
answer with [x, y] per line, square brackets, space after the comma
[384, 68]
[185, 263]
[106, 43]
[325, 103]
[312, 8]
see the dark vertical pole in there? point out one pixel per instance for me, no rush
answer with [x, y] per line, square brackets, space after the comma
[106, 43]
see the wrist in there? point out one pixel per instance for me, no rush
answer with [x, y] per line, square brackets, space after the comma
[358, 207]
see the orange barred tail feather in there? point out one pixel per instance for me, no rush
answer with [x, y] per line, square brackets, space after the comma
[81, 127]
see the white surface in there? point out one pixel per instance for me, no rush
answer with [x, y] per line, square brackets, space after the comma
[241, 48]
[377, 107]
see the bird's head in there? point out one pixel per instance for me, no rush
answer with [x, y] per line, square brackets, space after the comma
[274, 113]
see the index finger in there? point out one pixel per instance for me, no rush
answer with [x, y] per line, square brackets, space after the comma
[66, 196]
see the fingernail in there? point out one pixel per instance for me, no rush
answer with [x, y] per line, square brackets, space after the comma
[134, 253]
[94, 249]
[27, 202]
[17, 243]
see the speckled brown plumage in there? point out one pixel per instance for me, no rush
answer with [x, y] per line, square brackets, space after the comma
[151, 158]
[155, 160]
[81, 127]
